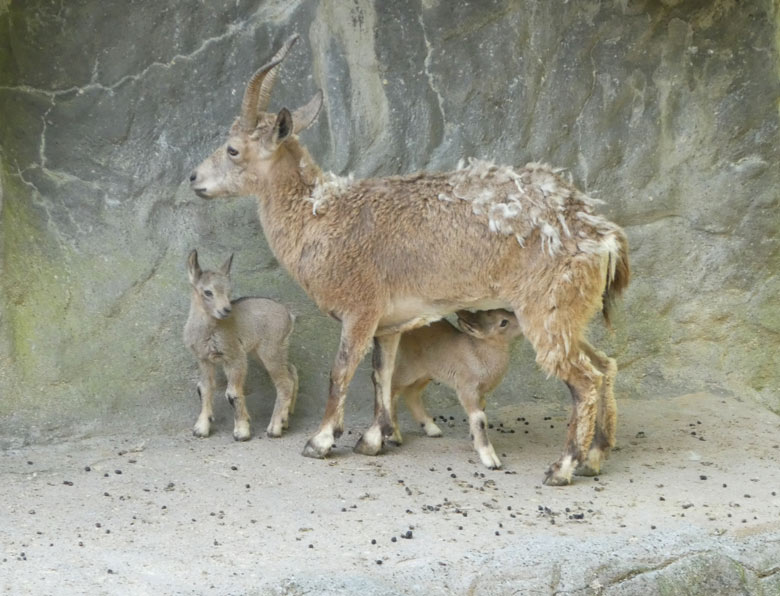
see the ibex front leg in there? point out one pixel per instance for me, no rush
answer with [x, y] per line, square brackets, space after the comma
[385, 348]
[355, 338]
[206, 393]
[236, 373]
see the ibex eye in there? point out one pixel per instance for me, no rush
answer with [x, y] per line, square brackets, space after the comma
[504, 322]
[208, 293]
[232, 151]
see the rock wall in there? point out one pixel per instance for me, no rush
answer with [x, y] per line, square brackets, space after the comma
[667, 110]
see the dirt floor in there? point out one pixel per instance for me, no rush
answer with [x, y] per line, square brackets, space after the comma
[689, 503]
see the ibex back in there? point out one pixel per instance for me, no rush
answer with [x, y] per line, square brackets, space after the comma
[388, 255]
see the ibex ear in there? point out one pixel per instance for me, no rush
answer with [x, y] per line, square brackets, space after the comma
[193, 268]
[466, 324]
[283, 127]
[225, 269]
[304, 116]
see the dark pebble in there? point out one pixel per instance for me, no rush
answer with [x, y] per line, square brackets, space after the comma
[373, 541]
[234, 468]
[379, 561]
[117, 471]
[87, 469]
[393, 539]
[68, 483]
[702, 477]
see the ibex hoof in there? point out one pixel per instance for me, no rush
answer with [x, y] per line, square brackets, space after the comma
[553, 476]
[242, 433]
[585, 470]
[312, 449]
[201, 429]
[370, 443]
[273, 433]
[490, 460]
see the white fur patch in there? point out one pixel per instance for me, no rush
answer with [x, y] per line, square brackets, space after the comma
[328, 189]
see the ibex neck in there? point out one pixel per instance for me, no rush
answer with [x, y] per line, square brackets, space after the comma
[284, 205]
[198, 315]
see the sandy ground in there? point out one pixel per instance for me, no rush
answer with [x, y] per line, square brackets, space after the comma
[690, 498]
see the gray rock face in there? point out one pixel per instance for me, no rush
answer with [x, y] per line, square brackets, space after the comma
[665, 110]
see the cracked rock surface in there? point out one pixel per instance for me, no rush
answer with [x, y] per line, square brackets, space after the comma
[667, 111]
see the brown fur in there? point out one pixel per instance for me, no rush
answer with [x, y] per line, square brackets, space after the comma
[388, 255]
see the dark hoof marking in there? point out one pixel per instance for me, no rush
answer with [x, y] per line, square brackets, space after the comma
[337, 432]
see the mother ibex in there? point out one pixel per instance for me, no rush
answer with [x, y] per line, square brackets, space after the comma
[386, 255]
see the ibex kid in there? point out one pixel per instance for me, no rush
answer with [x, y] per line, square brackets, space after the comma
[223, 331]
[472, 362]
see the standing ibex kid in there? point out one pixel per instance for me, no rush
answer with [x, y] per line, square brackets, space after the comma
[223, 331]
[387, 255]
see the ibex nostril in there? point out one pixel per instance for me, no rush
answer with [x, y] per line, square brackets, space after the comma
[193, 176]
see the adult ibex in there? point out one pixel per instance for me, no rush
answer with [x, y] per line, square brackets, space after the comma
[387, 255]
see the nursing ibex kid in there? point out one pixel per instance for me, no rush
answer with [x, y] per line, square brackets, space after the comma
[472, 361]
[387, 255]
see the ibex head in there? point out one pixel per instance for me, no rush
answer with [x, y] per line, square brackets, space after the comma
[212, 288]
[487, 324]
[244, 161]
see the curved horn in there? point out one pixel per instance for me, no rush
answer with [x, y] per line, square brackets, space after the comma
[305, 115]
[264, 97]
[249, 105]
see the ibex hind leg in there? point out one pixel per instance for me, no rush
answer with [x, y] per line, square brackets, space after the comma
[554, 332]
[285, 383]
[355, 340]
[413, 397]
[606, 416]
[385, 348]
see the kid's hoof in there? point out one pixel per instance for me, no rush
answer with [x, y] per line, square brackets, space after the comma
[273, 433]
[491, 464]
[201, 430]
[432, 430]
[237, 436]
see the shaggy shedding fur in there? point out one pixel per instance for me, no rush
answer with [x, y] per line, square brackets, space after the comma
[387, 255]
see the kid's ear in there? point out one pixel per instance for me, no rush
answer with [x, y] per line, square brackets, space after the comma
[193, 268]
[226, 265]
